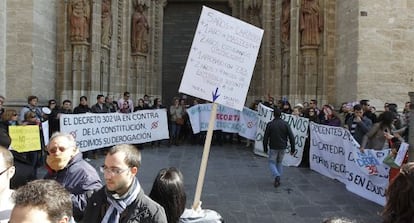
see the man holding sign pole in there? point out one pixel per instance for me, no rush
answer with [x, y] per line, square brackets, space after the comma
[277, 133]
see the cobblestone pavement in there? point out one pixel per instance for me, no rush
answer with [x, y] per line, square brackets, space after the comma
[239, 186]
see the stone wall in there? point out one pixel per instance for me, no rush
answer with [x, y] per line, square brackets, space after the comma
[3, 23]
[30, 52]
[44, 48]
[375, 51]
[386, 51]
[347, 51]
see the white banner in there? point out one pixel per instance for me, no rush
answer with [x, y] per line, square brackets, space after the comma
[299, 126]
[368, 186]
[335, 153]
[227, 119]
[93, 131]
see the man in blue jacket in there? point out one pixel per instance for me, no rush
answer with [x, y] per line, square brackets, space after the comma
[66, 166]
[276, 136]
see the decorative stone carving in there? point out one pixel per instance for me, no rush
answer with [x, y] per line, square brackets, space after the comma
[285, 23]
[311, 23]
[139, 31]
[106, 23]
[254, 12]
[79, 16]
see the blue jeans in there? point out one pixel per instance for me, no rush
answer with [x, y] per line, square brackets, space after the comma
[275, 161]
[175, 130]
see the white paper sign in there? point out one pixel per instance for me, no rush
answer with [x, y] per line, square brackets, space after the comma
[221, 60]
[93, 131]
[402, 151]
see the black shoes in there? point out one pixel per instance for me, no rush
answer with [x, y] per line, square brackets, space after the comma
[277, 182]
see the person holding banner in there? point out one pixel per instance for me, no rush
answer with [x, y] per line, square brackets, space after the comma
[276, 136]
[400, 197]
[377, 137]
[8, 118]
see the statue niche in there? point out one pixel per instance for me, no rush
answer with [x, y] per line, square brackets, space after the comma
[311, 23]
[79, 17]
[106, 23]
[139, 31]
[285, 24]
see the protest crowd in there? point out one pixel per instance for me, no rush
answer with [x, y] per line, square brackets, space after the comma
[85, 197]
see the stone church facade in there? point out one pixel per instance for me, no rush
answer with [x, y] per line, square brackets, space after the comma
[330, 50]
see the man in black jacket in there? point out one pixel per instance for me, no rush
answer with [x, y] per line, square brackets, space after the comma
[278, 132]
[122, 199]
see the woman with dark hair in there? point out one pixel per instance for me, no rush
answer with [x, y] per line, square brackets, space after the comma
[378, 136]
[168, 191]
[8, 118]
[286, 107]
[83, 106]
[140, 105]
[400, 197]
[329, 117]
[157, 104]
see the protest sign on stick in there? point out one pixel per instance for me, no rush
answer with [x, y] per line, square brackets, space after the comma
[222, 58]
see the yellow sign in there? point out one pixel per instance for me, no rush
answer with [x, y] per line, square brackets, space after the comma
[25, 138]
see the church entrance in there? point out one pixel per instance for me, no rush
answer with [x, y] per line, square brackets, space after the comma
[180, 23]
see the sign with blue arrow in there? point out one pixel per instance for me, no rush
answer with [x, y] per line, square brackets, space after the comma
[222, 58]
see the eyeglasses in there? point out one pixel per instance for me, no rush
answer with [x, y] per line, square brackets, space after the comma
[1, 173]
[112, 171]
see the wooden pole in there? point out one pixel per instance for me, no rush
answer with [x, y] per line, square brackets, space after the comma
[206, 151]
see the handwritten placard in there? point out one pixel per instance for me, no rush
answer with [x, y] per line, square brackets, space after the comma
[221, 59]
[25, 138]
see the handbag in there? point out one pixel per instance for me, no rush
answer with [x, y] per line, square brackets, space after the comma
[179, 121]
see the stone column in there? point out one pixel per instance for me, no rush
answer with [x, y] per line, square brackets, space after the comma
[310, 72]
[80, 71]
[411, 129]
[285, 71]
[105, 69]
[139, 75]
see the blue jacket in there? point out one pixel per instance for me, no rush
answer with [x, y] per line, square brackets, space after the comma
[80, 179]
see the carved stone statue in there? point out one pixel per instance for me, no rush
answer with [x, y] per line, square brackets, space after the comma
[106, 23]
[79, 16]
[139, 31]
[285, 23]
[311, 23]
